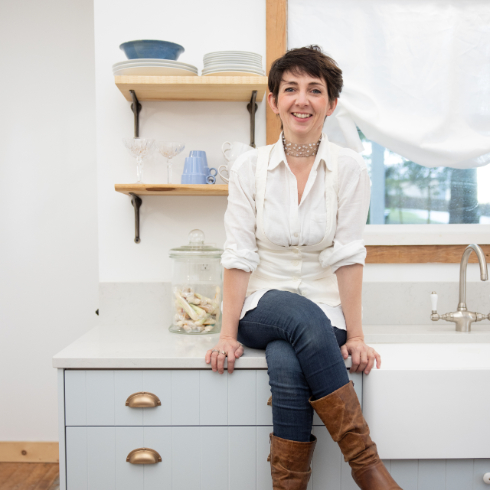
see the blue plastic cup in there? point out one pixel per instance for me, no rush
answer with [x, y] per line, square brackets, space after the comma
[194, 172]
[211, 172]
[200, 154]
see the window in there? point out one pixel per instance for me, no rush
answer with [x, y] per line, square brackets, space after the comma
[404, 192]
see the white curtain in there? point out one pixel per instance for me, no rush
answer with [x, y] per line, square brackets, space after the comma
[416, 74]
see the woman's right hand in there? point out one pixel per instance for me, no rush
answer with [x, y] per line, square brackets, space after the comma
[233, 349]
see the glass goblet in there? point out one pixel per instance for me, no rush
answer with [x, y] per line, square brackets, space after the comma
[139, 148]
[169, 149]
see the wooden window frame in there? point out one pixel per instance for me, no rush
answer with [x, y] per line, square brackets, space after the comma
[276, 46]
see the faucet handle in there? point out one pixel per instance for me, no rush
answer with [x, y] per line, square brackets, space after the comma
[433, 300]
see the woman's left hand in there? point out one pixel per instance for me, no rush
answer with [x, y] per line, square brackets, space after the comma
[363, 356]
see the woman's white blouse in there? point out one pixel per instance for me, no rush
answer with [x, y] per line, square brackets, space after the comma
[288, 224]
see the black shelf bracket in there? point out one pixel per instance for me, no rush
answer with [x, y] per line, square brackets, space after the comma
[252, 108]
[136, 108]
[136, 201]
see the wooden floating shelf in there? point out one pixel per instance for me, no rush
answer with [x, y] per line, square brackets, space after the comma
[173, 189]
[192, 88]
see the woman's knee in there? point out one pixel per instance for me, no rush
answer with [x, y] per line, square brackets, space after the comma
[282, 361]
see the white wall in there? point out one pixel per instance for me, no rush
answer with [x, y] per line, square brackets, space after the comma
[48, 217]
[200, 27]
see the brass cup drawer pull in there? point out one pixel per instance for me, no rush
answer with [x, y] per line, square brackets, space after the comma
[143, 399]
[269, 401]
[143, 455]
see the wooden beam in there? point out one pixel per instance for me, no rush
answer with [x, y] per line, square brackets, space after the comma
[276, 12]
[419, 254]
[29, 452]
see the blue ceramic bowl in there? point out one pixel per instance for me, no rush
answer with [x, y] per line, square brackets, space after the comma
[147, 48]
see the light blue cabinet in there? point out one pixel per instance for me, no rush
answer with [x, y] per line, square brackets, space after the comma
[211, 431]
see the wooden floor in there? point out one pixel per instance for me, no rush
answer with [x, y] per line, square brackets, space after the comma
[29, 476]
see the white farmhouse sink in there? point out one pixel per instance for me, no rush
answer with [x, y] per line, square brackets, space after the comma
[430, 401]
[452, 356]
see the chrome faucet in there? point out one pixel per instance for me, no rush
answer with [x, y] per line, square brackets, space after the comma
[463, 318]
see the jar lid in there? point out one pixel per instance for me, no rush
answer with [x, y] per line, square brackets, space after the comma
[196, 247]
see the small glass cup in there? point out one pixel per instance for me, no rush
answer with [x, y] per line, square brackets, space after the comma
[169, 149]
[139, 148]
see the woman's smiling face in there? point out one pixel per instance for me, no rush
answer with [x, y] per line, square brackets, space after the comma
[302, 104]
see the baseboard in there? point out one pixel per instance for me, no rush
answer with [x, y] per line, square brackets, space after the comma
[29, 452]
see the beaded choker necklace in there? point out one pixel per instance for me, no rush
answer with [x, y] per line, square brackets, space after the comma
[296, 150]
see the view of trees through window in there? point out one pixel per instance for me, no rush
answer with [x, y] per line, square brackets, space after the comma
[404, 192]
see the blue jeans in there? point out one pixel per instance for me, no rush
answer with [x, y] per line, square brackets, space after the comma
[303, 357]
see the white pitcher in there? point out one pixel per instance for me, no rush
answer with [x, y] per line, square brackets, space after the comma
[231, 151]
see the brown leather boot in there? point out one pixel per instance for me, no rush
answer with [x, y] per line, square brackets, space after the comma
[290, 463]
[341, 413]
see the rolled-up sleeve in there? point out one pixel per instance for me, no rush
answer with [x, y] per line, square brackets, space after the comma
[240, 249]
[354, 198]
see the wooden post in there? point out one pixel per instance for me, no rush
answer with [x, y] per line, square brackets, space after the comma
[277, 44]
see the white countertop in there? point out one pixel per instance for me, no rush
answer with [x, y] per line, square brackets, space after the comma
[150, 347]
[154, 347]
[436, 333]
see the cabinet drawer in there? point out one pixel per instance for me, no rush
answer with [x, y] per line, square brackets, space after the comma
[188, 397]
[214, 458]
[208, 458]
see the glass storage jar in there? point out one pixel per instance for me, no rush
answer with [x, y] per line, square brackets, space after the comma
[196, 287]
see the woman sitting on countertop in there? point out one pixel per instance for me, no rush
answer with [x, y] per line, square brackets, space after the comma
[293, 260]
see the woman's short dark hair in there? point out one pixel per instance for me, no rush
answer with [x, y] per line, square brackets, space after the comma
[312, 61]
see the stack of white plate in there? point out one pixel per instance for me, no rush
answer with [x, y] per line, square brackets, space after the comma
[233, 63]
[153, 67]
